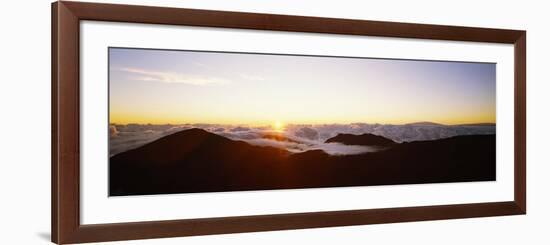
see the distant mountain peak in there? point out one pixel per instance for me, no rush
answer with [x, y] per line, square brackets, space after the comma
[424, 123]
[363, 139]
[477, 124]
[194, 133]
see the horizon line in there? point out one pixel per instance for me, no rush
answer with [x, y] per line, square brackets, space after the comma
[302, 124]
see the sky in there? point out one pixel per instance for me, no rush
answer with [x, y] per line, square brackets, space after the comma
[180, 87]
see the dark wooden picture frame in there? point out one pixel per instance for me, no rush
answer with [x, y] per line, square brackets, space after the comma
[66, 17]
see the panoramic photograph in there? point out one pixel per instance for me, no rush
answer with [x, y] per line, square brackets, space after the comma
[206, 121]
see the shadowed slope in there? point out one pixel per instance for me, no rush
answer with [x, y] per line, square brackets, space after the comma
[189, 161]
[195, 160]
[364, 139]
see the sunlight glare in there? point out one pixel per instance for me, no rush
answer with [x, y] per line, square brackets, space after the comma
[278, 126]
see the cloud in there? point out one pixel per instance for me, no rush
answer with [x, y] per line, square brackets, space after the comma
[330, 148]
[126, 137]
[113, 131]
[340, 149]
[307, 133]
[239, 135]
[173, 77]
[293, 142]
[239, 129]
[285, 145]
[127, 140]
[300, 138]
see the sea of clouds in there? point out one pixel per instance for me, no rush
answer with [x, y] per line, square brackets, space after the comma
[295, 138]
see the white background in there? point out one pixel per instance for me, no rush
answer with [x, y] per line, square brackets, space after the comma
[25, 106]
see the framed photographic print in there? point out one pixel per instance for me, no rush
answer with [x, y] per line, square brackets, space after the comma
[177, 122]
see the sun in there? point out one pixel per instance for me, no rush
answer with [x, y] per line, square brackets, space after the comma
[278, 126]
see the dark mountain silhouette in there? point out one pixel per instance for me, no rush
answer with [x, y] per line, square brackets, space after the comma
[195, 160]
[363, 139]
[192, 160]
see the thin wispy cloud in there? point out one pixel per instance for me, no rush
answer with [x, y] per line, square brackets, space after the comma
[172, 77]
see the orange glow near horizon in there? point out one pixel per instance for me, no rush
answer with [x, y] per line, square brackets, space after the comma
[278, 126]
